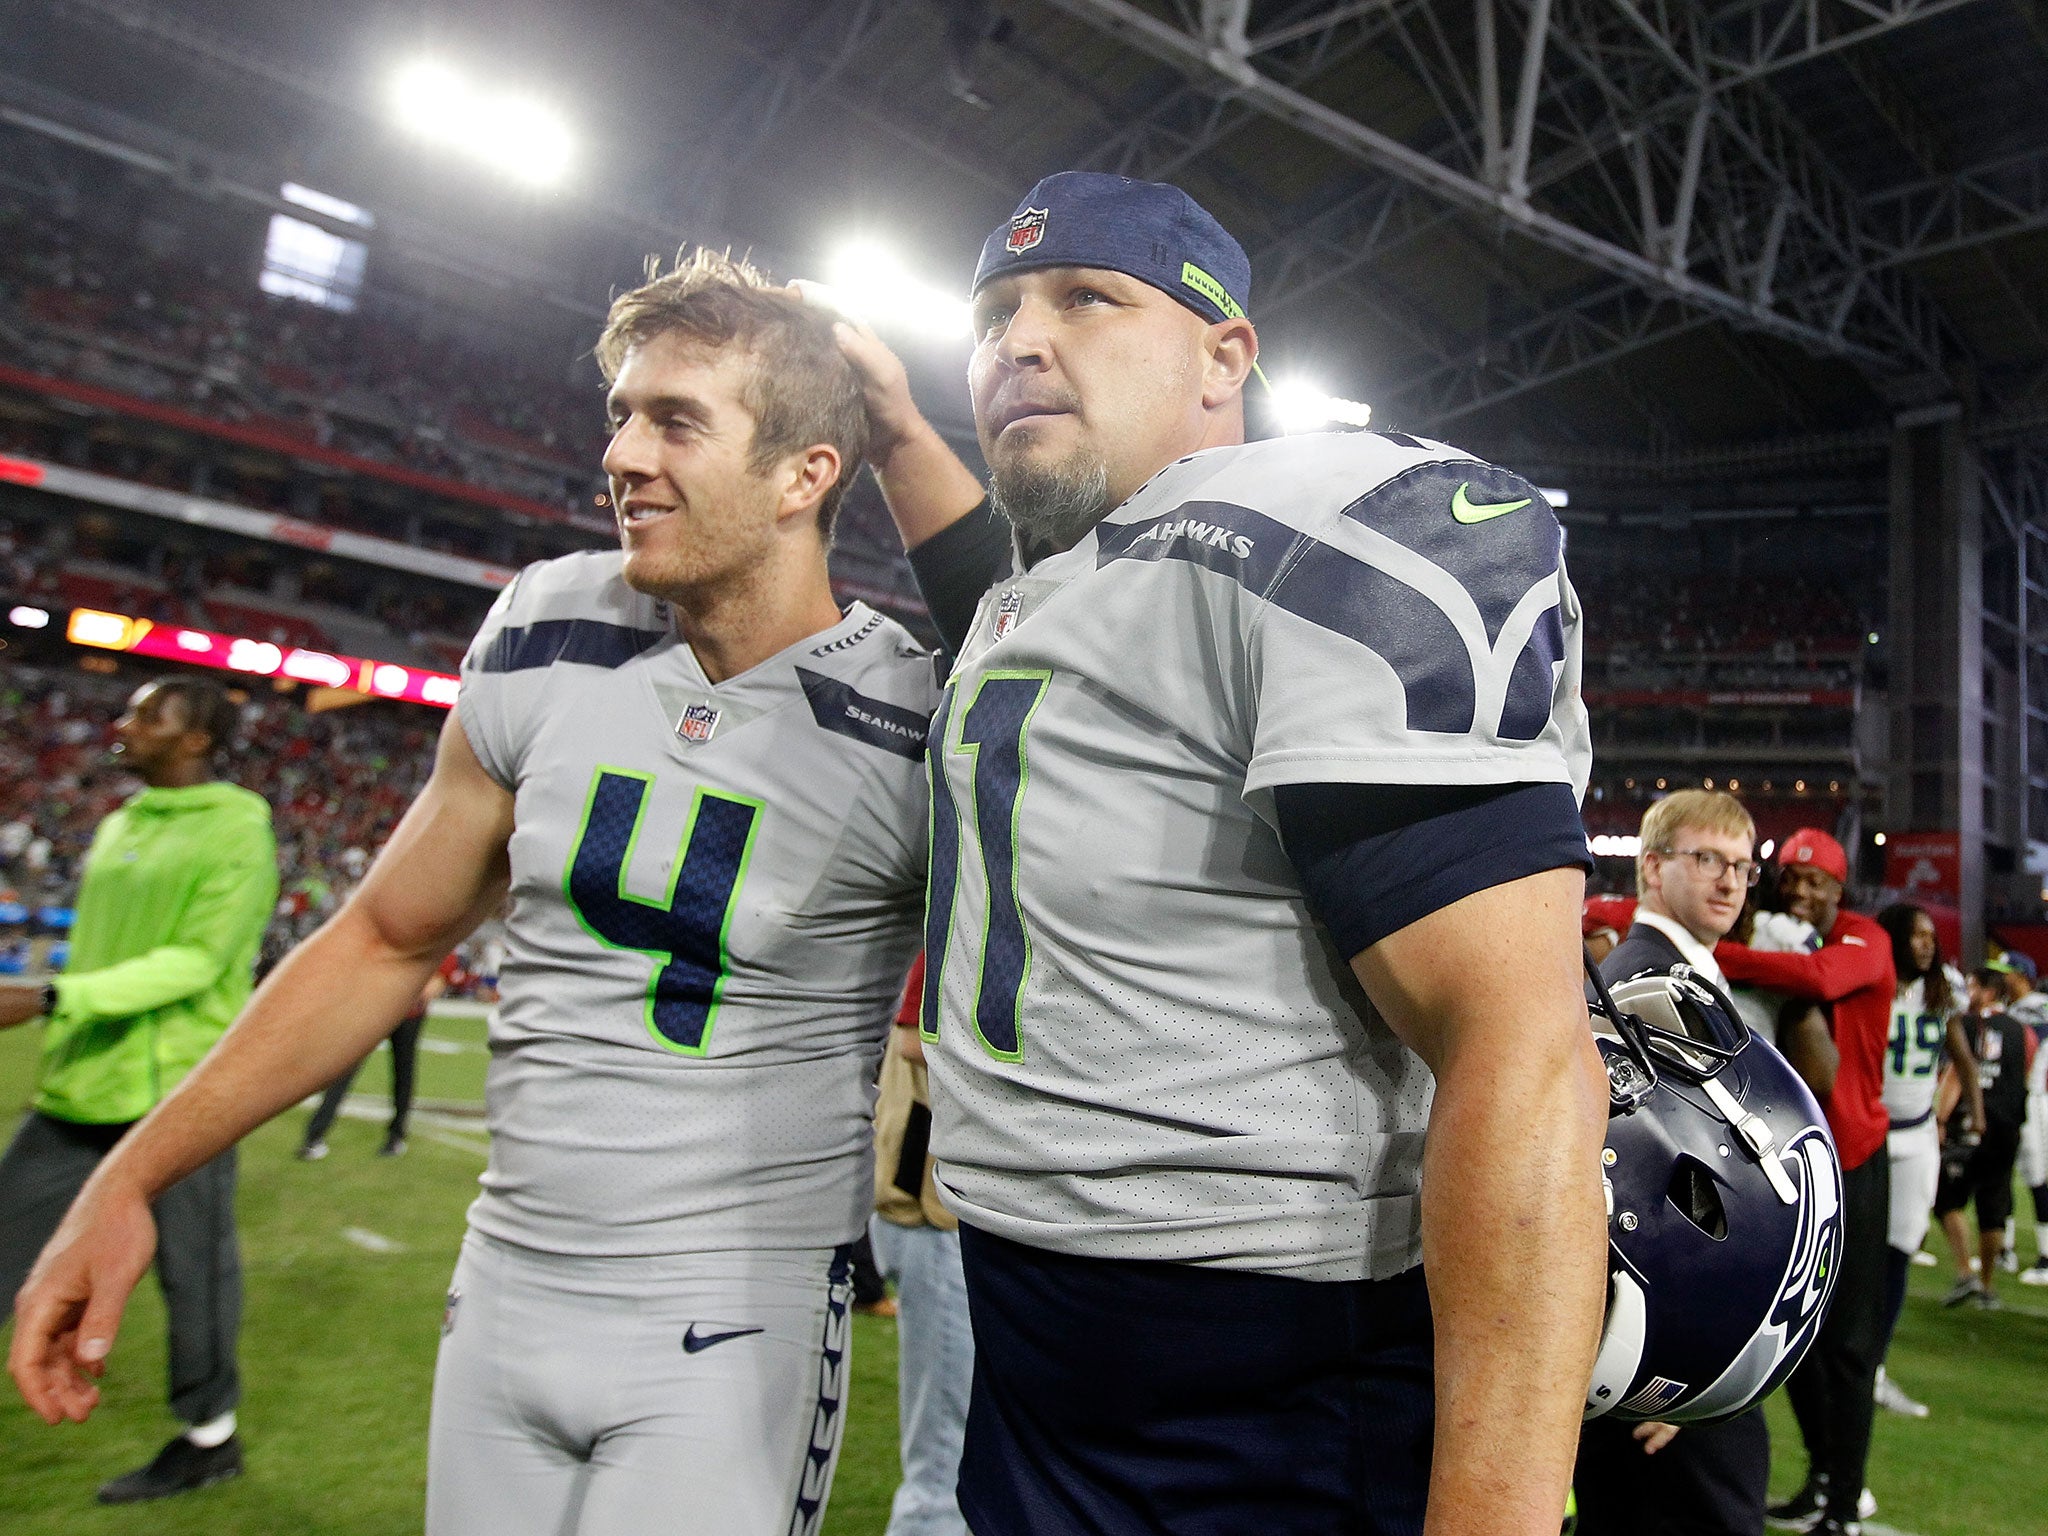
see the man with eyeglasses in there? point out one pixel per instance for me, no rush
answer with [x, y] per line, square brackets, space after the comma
[1695, 868]
[1852, 976]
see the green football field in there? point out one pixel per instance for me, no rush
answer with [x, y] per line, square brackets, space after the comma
[347, 1261]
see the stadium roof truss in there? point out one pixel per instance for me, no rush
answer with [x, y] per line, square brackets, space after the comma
[1645, 139]
[1515, 192]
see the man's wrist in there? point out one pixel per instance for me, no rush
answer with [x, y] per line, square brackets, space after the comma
[910, 436]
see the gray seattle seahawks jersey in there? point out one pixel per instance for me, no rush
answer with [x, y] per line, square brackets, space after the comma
[715, 894]
[1146, 1048]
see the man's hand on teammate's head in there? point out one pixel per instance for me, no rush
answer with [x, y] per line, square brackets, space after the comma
[926, 486]
[893, 416]
[69, 1309]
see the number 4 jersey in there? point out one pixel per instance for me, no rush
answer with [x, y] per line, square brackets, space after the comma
[715, 894]
[1147, 1048]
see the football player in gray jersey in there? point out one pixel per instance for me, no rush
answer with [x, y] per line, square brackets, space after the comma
[1256, 860]
[700, 783]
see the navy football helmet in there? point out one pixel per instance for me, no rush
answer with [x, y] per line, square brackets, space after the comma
[1724, 1206]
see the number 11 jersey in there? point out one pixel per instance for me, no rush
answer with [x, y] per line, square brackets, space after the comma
[1145, 1046]
[715, 897]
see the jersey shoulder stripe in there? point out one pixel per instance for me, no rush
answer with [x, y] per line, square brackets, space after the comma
[1296, 532]
[575, 608]
[1489, 528]
[839, 707]
[584, 642]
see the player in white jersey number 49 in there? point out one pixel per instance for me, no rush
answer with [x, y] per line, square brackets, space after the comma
[701, 784]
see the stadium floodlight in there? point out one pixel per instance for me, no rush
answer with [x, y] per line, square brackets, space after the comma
[870, 282]
[29, 618]
[1558, 499]
[1302, 407]
[520, 136]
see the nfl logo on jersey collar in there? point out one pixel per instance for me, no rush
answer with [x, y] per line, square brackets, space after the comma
[1008, 607]
[697, 723]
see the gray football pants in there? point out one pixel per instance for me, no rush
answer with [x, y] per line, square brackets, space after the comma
[198, 1263]
[695, 1395]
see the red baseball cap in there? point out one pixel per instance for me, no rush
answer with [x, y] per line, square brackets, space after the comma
[1810, 845]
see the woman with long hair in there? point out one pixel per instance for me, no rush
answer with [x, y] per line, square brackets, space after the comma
[1927, 1024]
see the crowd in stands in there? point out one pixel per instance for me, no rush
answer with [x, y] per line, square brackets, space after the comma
[207, 341]
[1652, 615]
[336, 781]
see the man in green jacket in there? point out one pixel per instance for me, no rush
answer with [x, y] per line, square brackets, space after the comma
[171, 908]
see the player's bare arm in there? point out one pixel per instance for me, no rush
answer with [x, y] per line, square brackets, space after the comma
[319, 1012]
[1964, 1061]
[1804, 1041]
[926, 486]
[1487, 992]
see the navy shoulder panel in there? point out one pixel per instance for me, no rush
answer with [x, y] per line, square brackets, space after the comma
[841, 709]
[1486, 527]
[1326, 586]
[583, 642]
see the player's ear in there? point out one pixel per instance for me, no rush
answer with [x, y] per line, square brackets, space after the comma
[1231, 348]
[808, 475]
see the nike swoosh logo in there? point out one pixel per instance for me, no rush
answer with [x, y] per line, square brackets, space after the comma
[1482, 511]
[695, 1342]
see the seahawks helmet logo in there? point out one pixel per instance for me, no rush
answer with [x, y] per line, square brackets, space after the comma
[1803, 1292]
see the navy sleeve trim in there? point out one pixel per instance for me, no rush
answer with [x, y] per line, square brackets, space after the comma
[587, 642]
[956, 565]
[1375, 858]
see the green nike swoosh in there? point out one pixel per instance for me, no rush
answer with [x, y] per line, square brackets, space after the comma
[1482, 511]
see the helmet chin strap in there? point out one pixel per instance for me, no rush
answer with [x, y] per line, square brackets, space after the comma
[1628, 1088]
[1755, 1135]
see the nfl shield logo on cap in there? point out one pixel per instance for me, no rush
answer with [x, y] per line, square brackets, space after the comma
[698, 722]
[1026, 230]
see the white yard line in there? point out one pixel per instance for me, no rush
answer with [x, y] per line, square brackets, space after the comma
[373, 1242]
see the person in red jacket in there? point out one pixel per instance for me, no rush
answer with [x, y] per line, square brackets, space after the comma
[1852, 976]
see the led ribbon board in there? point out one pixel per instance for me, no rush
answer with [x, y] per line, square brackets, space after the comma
[259, 658]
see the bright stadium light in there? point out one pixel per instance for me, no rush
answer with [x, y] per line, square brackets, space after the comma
[518, 135]
[871, 283]
[1302, 407]
[1558, 499]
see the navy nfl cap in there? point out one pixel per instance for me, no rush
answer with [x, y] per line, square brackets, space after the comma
[1144, 229]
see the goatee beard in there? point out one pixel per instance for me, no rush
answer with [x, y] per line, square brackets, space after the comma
[1052, 508]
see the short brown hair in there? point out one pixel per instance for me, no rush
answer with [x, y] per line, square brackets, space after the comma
[801, 389]
[1703, 810]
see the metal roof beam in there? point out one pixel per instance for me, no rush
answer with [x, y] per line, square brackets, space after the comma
[1606, 324]
[1747, 42]
[1232, 76]
[1972, 206]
